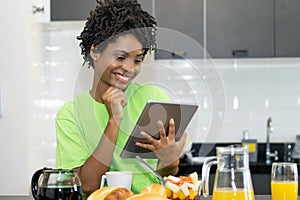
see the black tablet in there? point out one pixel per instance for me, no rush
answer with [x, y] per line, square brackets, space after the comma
[182, 113]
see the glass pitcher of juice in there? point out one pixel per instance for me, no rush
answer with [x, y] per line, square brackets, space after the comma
[233, 178]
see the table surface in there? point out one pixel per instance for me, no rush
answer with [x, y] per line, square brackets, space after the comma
[257, 197]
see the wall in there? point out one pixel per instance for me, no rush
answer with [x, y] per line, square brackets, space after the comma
[254, 90]
[14, 53]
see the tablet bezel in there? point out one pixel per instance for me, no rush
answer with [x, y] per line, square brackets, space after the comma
[182, 113]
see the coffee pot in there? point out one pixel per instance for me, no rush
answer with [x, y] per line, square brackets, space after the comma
[56, 184]
[233, 178]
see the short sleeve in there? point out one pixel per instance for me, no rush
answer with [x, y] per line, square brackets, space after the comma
[70, 152]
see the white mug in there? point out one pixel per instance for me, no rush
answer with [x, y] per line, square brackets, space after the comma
[117, 178]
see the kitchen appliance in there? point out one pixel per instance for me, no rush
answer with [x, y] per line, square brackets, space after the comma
[56, 184]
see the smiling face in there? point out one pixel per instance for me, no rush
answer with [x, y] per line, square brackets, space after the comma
[118, 64]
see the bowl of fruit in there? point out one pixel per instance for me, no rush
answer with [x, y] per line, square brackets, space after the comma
[183, 187]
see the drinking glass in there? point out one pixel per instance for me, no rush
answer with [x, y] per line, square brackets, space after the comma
[284, 181]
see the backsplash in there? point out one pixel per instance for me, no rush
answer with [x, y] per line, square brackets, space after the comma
[233, 94]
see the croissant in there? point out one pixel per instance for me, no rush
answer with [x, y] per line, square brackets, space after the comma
[151, 192]
[154, 189]
[111, 193]
[147, 196]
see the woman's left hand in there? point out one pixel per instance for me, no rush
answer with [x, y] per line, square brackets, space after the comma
[166, 149]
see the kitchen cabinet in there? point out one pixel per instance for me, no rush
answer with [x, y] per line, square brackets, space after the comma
[180, 28]
[227, 28]
[62, 10]
[287, 28]
[240, 28]
[70, 10]
[148, 5]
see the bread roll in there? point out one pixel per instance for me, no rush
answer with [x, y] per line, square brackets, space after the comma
[151, 192]
[147, 196]
[154, 189]
[109, 193]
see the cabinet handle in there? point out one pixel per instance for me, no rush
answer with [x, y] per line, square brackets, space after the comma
[240, 53]
[36, 9]
[179, 54]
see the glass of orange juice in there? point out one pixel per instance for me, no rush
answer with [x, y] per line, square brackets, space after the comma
[284, 181]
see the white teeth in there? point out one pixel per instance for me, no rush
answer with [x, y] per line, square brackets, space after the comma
[122, 77]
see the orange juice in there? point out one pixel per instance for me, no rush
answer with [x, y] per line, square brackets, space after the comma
[284, 190]
[229, 194]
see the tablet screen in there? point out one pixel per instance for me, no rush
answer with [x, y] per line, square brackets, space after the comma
[182, 114]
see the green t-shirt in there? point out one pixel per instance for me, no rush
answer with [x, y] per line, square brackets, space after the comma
[80, 125]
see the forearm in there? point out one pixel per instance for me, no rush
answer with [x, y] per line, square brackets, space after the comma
[98, 163]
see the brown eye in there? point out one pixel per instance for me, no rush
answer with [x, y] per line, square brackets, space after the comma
[120, 57]
[138, 60]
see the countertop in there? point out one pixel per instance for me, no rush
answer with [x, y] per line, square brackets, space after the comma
[260, 173]
[257, 197]
[209, 149]
[255, 168]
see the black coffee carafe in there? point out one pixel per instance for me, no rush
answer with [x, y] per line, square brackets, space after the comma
[56, 184]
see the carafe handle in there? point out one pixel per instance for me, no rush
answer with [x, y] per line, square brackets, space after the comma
[208, 162]
[34, 182]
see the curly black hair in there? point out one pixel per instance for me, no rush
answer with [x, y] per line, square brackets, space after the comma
[112, 18]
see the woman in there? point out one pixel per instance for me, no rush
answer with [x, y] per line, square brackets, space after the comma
[94, 127]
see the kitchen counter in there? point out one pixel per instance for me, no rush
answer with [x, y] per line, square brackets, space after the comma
[255, 168]
[257, 197]
[260, 173]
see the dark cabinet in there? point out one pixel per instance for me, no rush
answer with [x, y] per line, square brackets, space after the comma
[227, 28]
[240, 28]
[62, 10]
[180, 29]
[69, 10]
[287, 28]
[148, 5]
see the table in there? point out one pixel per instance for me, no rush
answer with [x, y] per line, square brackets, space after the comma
[257, 197]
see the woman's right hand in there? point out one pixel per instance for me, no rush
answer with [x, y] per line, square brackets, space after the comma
[115, 100]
